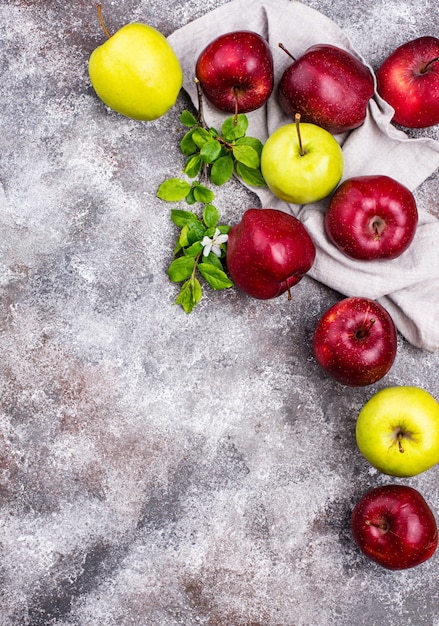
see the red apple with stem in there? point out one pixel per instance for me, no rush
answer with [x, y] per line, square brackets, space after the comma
[268, 252]
[372, 217]
[236, 71]
[328, 86]
[355, 341]
[394, 526]
[408, 80]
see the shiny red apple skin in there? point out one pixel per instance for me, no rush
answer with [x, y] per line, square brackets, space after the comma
[372, 217]
[268, 252]
[408, 80]
[355, 341]
[329, 87]
[394, 526]
[236, 68]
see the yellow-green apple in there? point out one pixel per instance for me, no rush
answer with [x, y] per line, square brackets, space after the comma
[355, 341]
[136, 72]
[372, 217]
[397, 431]
[301, 162]
[268, 252]
[235, 71]
[328, 86]
[408, 79]
[394, 526]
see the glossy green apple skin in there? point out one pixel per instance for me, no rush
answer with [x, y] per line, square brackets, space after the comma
[301, 179]
[136, 72]
[398, 431]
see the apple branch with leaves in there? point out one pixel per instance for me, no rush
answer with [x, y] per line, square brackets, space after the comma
[210, 156]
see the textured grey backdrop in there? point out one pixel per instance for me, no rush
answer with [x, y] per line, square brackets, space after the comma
[155, 468]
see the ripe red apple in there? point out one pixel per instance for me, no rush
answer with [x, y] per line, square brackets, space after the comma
[329, 87]
[372, 217]
[394, 526]
[235, 71]
[409, 81]
[355, 341]
[268, 252]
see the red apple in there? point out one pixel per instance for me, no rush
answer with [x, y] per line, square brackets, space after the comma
[235, 71]
[372, 217]
[329, 87]
[409, 81]
[394, 526]
[268, 252]
[355, 341]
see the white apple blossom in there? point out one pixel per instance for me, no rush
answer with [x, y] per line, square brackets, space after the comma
[214, 244]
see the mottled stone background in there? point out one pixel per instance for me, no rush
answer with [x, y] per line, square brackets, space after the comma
[157, 468]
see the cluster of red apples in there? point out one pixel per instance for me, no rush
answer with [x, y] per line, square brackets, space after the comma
[368, 218]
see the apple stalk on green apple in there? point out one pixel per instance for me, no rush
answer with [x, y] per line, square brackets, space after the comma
[135, 72]
[301, 162]
[397, 431]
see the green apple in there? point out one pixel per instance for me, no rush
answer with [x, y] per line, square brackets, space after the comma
[301, 163]
[136, 72]
[398, 431]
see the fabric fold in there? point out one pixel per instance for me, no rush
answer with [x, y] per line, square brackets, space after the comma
[408, 286]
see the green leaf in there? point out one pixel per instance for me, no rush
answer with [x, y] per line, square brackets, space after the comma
[190, 294]
[196, 231]
[188, 119]
[183, 240]
[231, 131]
[187, 144]
[210, 215]
[213, 260]
[181, 268]
[192, 166]
[203, 194]
[181, 218]
[200, 136]
[222, 170]
[246, 155]
[255, 143]
[224, 228]
[216, 278]
[190, 198]
[194, 249]
[252, 177]
[173, 189]
[210, 151]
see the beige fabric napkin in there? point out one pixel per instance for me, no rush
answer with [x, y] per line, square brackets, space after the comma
[408, 286]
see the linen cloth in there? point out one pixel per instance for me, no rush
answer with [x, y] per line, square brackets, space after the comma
[408, 287]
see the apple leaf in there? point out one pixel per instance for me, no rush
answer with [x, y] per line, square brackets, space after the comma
[210, 215]
[255, 143]
[210, 151]
[246, 155]
[231, 130]
[188, 119]
[187, 144]
[173, 189]
[216, 277]
[250, 176]
[181, 218]
[190, 294]
[193, 166]
[222, 170]
[181, 268]
[203, 194]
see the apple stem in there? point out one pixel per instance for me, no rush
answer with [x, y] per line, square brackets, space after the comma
[289, 294]
[383, 526]
[299, 136]
[282, 47]
[101, 20]
[400, 448]
[363, 332]
[425, 68]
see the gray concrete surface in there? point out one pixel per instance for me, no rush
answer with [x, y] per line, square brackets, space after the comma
[156, 468]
